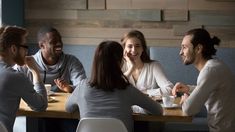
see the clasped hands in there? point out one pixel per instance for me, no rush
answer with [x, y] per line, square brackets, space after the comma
[181, 88]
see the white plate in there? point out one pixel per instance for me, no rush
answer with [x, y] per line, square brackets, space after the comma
[171, 107]
[50, 93]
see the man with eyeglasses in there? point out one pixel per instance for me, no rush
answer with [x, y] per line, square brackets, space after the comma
[15, 86]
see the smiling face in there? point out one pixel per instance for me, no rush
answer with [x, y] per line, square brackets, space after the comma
[187, 51]
[134, 48]
[51, 47]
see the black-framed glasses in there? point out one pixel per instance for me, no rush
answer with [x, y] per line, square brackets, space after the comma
[24, 46]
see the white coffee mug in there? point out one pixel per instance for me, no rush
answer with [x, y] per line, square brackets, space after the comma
[168, 101]
[48, 87]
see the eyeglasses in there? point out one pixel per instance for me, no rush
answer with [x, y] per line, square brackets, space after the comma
[24, 46]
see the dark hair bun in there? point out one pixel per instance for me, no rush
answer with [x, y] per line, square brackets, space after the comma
[215, 40]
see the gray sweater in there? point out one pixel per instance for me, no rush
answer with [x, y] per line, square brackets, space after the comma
[68, 67]
[215, 89]
[92, 102]
[15, 86]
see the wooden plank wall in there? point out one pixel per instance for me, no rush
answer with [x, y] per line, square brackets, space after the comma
[88, 22]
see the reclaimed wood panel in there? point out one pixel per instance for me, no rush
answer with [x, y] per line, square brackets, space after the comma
[56, 4]
[96, 4]
[50, 14]
[210, 5]
[180, 30]
[132, 15]
[222, 0]
[222, 32]
[147, 4]
[216, 18]
[75, 23]
[96, 35]
[118, 4]
[175, 15]
[109, 32]
[176, 4]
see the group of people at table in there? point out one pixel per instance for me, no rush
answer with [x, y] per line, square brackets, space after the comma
[121, 74]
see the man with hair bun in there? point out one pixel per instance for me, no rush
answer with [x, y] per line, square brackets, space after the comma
[215, 84]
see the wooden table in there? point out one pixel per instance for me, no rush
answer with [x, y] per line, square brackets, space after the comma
[56, 109]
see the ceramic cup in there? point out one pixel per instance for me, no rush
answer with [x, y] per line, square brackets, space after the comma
[168, 101]
[48, 88]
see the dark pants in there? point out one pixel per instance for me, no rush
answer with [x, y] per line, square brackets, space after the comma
[143, 126]
[58, 125]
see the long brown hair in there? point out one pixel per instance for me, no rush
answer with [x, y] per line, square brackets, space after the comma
[106, 69]
[139, 35]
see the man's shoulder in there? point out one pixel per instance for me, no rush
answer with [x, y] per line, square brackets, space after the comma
[67, 55]
[71, 58]
[12, 74]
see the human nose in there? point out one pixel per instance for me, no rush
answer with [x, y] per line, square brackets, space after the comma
[133, 49]
[181, 52]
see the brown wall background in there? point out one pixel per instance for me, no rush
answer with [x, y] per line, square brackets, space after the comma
[88, 22]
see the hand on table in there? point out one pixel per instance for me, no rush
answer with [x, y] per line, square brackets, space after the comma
[183, 98]
[63, 85]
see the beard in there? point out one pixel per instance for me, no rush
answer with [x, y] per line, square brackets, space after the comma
[19, 60]
[187, 60]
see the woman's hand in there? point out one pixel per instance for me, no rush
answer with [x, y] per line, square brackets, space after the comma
[130, 63]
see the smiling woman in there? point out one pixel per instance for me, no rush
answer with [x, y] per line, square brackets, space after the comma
[141, 71]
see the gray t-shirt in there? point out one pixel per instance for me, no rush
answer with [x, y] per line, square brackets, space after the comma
[92, 102]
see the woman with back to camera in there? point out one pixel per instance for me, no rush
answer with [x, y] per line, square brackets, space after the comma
[108, 93]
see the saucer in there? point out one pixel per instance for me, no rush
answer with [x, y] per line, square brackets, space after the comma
[171, 107]
[51, 99]
[50, 93]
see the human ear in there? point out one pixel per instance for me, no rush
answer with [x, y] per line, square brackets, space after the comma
[199, 48]
[41, 45]
[13, 49]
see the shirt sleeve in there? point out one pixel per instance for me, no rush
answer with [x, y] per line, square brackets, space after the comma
[72, 103]
[34, 95]
[145, 102]
[77, 72]
[206, 84]
[161, 79]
